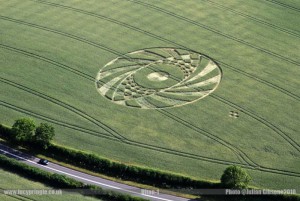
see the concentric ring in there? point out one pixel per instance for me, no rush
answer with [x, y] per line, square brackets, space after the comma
[158, 78]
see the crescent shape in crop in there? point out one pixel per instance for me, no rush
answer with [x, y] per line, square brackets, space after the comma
[158, 78]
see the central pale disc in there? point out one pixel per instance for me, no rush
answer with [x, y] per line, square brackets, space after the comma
[158, 76]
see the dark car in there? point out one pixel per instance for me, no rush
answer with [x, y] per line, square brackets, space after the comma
[43, 162]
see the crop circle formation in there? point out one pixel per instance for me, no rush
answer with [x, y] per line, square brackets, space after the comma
[158, 78]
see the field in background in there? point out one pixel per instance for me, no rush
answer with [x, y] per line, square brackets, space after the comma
[10, 181]
[51, 52]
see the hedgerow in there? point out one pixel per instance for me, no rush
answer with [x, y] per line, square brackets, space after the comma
[143, 175]
[59, 181]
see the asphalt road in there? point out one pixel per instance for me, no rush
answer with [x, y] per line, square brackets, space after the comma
[86, 178]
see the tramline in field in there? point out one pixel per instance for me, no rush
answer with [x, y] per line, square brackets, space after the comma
[173, 85]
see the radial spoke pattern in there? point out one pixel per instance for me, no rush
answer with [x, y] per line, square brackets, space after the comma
[142, 79]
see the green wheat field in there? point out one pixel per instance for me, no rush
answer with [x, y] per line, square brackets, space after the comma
[11, 182]
[96, 71]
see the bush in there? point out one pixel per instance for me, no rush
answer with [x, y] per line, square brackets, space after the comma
[43, 135]
[235, 177]
[134, 173]
[23, 130]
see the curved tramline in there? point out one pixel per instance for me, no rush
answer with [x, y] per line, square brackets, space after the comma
[129, 142]
[149, 105]
[160, 149]
[55, 63]
[215, 31]
[248, 163]
[54, 121]
[143, 84]
[169, 41]
[126, 57]
[231, 67]
[78, 112]
[255, 19]
[156, 37]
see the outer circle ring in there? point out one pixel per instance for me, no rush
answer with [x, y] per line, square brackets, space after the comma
[201, 76]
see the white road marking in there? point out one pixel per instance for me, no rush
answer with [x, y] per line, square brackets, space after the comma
[85, 178]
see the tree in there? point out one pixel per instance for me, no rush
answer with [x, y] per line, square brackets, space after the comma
[43, 135]
[235, 177]
[23, 130]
